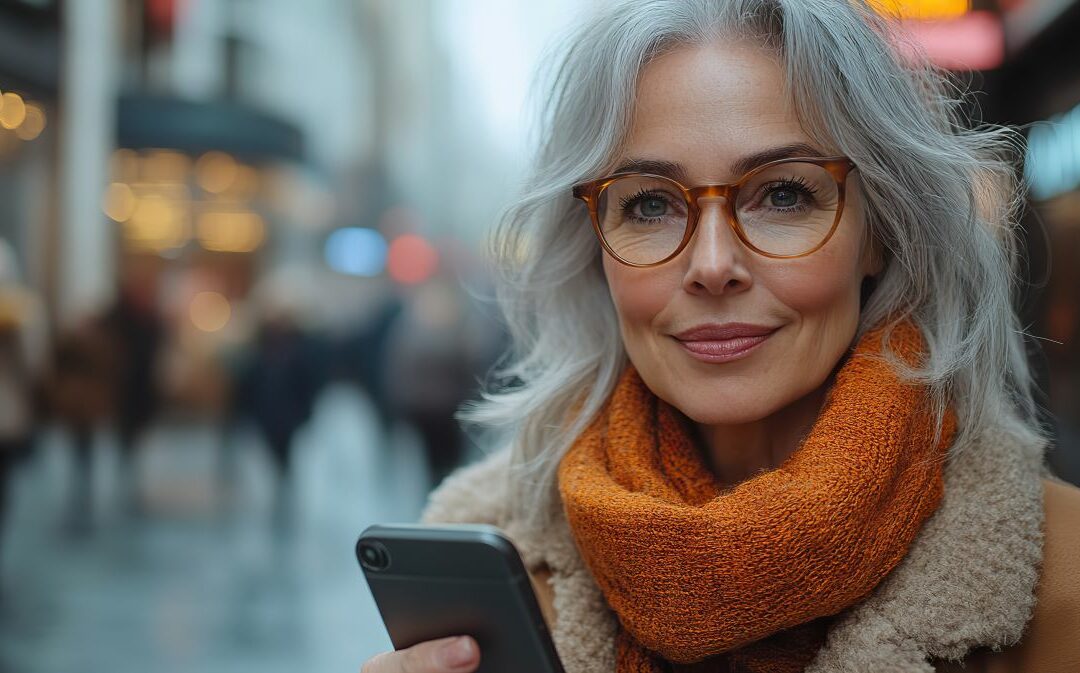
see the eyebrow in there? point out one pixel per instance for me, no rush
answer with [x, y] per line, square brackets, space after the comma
[739, 167]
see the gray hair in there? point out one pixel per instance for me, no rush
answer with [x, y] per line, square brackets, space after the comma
[941, 200]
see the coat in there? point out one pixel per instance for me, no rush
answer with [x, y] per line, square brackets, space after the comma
[967, 587]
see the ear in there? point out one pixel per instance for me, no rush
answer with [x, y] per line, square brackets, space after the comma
[872, 264]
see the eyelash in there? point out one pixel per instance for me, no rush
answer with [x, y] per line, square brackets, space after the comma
[794, 183]
[627, 201]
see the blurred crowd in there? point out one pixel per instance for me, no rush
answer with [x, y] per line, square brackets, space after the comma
[417, 353]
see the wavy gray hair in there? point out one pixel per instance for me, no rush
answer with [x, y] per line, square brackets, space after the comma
[941, 200]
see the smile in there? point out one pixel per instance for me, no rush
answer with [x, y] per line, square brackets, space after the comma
[723, 350]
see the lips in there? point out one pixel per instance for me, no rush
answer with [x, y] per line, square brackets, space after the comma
[731, 330]
[722, 343]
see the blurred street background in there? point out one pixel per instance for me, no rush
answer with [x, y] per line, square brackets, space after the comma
[243, 291]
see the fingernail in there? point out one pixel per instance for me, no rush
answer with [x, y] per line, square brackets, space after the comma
[457, 652]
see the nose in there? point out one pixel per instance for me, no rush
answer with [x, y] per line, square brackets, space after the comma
[716, 258]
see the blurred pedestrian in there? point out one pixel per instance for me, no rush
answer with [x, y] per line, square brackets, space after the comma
[277, 389]
[80, 395]
[438, 349]
[19, 311]
[361, 355]
[135, 330]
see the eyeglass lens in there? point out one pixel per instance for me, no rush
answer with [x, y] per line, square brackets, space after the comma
[786, 209]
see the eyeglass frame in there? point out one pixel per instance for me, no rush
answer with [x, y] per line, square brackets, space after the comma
[590, 192]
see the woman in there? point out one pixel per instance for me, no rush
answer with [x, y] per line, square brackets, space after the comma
[772, 411]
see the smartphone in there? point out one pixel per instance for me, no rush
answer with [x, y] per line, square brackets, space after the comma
[433, 581]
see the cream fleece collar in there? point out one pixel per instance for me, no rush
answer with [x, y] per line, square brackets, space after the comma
[967, 581]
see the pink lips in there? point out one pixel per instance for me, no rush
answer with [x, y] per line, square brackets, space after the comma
[723, 343]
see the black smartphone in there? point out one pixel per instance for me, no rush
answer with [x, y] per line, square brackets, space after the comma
[434, 581]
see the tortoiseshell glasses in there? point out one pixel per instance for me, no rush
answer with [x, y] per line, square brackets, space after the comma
[782, 209]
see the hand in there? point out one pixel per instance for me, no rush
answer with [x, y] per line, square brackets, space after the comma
[458, 654]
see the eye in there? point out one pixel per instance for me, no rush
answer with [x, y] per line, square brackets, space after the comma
[789, 193]
[646, 205]
[783, 198]
[652, 206]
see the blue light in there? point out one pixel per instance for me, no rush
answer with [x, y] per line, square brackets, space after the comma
[356, 252]
[1052, 165]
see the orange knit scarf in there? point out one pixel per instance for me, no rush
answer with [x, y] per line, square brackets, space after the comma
[748, 578]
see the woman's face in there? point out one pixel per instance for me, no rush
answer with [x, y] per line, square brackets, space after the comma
[704, 108]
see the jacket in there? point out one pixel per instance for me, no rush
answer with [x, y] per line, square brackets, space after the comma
[968, 581]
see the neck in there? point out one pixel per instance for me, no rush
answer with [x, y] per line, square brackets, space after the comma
[736, 452]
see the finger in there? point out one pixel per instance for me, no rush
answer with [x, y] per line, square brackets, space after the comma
[459, 654]
[447, 655]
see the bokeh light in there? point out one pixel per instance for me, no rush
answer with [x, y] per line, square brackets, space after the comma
[165, 166]
[216, 171]
[356, 251]
[241, 231]
[119, 202]
[975, 41]
[922, 9]
[12, 110]
[158, 223]
[411, 259]
[1052, 165]
[34, 123]
[210, 311]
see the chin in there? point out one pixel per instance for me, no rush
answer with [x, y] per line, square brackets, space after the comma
[713, 419]
[709, 408]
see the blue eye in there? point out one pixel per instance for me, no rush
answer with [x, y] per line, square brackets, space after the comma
[789, 193]
[783, 198]
[652, 207]
[645, 205]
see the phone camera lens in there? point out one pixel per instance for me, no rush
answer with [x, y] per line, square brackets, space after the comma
[374, 556]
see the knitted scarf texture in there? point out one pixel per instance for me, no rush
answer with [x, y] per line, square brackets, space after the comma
[747, 578]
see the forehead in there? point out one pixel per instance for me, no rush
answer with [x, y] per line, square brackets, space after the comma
[704, 106]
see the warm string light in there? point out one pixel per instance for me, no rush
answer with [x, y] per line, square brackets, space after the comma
[12, 111]
[224, 231]
[33, 123]
[216, 172]
[25, 118]
[159, 222]
[119, 202]
[152, 200]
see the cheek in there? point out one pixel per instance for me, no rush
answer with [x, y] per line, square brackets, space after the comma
[822, 292]
[827, 282]
[639, 295]
[817, 288]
